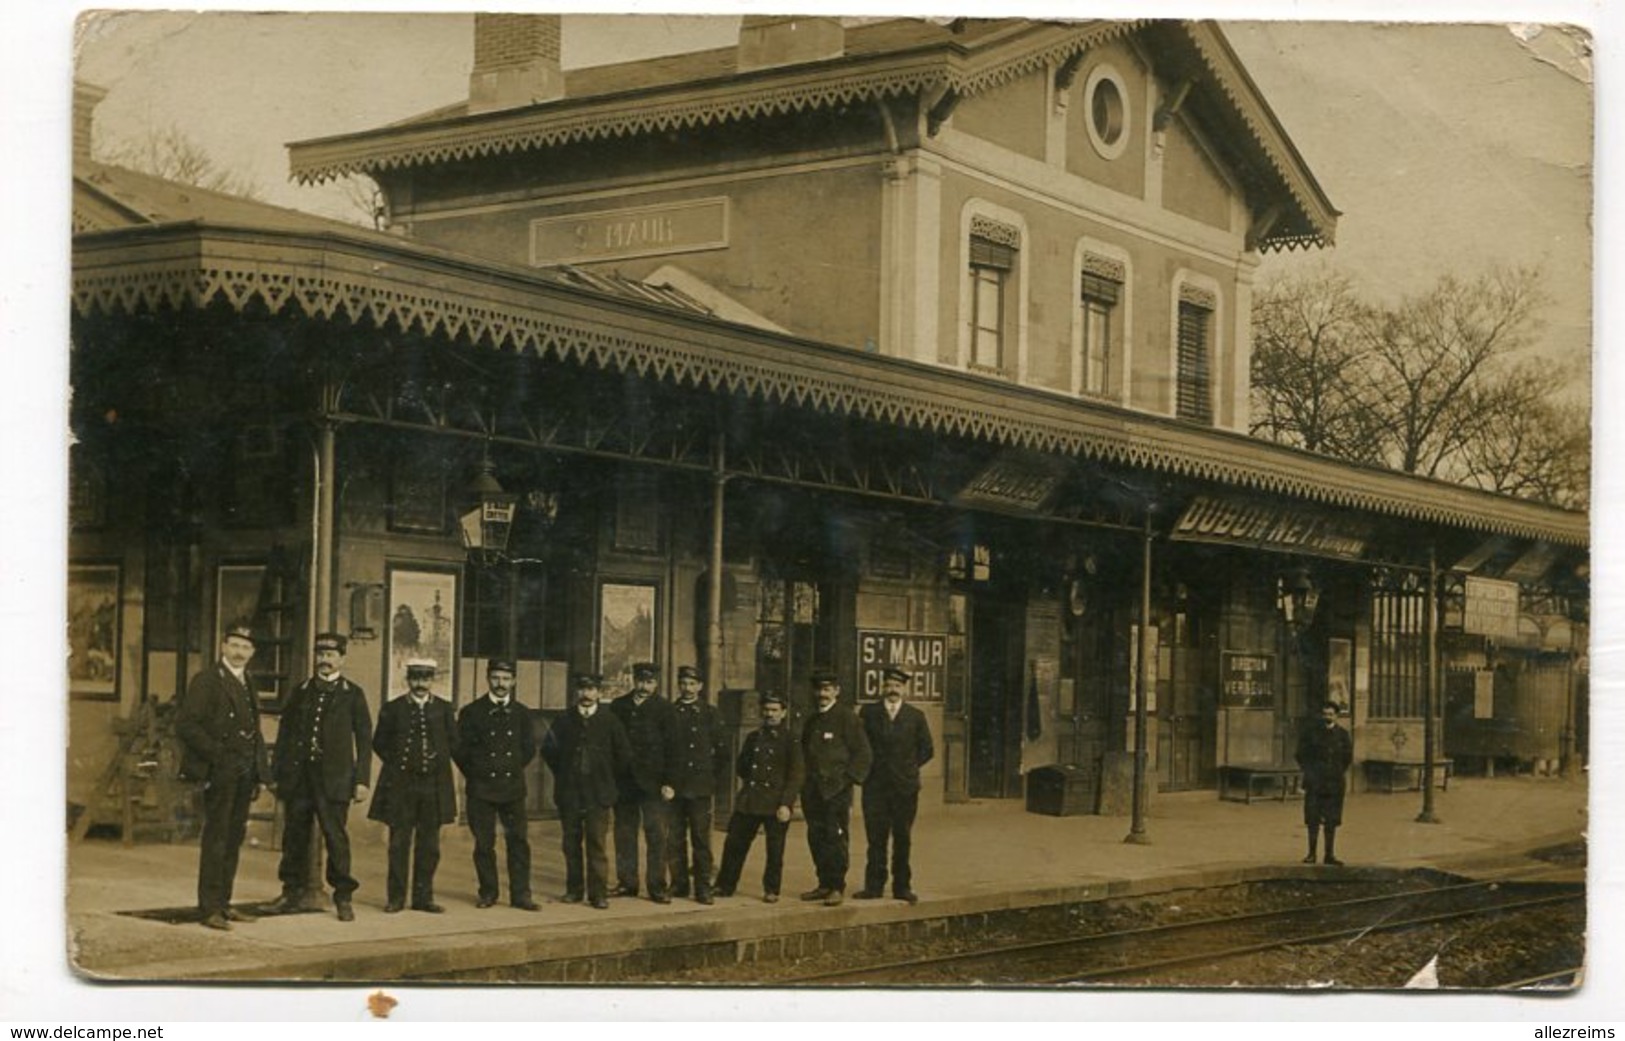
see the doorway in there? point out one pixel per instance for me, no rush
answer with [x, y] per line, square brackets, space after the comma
[995, 699]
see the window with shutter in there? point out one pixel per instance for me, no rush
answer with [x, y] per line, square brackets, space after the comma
[1195, 401]
[990, 266]
[1099, 304]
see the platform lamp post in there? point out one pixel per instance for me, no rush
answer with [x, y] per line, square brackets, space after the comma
[1143, 678]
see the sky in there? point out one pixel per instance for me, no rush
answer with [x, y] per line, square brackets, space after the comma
[1448, 148]
[1440, 157]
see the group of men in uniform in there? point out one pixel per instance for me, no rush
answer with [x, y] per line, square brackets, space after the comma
[649, 765]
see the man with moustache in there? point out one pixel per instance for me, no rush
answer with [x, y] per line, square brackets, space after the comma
[646, 783]
[837, 756]
[770, 773]
[218, 725]
[586, 748]
[495, 742]
[901, 741]
[702, 753]
[322, 763]
[416, 739]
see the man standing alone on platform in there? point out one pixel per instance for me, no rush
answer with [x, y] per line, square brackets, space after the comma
[901, 742]
[218, 724]
[1325, 751]
[837, 757]
[586, 748]
[770, 767]
[323, 763]
[416, 739]
[495, 742]
[702, 753]
[646, 783]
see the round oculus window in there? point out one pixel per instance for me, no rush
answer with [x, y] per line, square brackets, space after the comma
[1106, 111]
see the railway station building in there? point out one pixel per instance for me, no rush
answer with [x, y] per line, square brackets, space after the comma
[849, 345]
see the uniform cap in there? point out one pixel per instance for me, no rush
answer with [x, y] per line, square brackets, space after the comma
[769, 697]
[645, 670]
[332, 642]
[587, 681]
[898, 673]
[821, 677]
[500, 665]
[428, 665]
[241, 627]
[688, 672]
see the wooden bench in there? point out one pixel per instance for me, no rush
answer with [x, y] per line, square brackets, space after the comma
[1385, 773]
[1284, 780]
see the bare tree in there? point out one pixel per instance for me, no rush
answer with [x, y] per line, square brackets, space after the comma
[363, 195]
[1308, 382]
[1431, 385]
[169, 152]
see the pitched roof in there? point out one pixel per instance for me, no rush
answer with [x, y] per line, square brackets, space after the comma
[889, 58]
[106, 196]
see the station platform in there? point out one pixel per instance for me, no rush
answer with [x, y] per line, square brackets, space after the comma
[968, 858]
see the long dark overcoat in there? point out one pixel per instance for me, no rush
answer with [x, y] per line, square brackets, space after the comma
[218, 724]
[345, 735]
[654, 744]
[586, 757]
[701, 749]
[390, 740]
[900, 747]
[493, 748]
[770, 770]
[837, 751]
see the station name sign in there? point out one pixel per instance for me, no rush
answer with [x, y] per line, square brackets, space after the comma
[1270, 526]
[1491, 608]
[925, 655]
[638, 231]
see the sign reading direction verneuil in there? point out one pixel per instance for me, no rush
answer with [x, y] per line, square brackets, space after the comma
[925, 655]
[638, 231]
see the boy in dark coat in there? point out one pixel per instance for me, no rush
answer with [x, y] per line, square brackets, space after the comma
[323, 763]
[1325, 751]
[586, 748]
[771, 773]
[495, 742]
[901, 741]
[416, 739]
[701, 754]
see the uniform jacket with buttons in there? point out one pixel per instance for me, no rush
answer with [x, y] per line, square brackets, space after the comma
[654, 744]
[771, 770]
[586, 757]
[393, 741]
[343, 735]
[494, 745]
[837, 752]
[901, 747]
[702, 749]
[218, 724]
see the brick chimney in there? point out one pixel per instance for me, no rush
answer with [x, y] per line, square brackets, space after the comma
[85, 99]
[769, 41]
[516, 61]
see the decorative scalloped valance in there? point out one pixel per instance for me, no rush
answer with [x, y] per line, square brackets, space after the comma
[982, 227]
[1109, 268]
[324, 277]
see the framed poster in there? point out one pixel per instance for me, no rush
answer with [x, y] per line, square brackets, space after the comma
[627, 614]
[93, 631]
[422, 623]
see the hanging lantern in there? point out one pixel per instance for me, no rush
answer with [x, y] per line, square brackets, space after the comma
[487, 519]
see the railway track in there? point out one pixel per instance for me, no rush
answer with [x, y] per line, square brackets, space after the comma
[1147, 951]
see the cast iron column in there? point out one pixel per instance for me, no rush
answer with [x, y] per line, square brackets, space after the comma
[1144, 674]
[713, 592]
[1430, 690]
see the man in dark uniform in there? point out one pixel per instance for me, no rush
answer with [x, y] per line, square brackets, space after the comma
[771, 772]
[645, 783]
[416, 739]
[1325, 751]
[837, 757]
[218, 725]
[323, 762]
[495, 742]
[901, 741]
[702, 753]
[586, 748]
